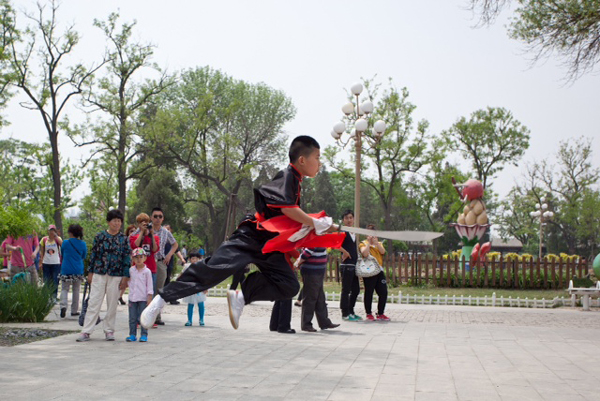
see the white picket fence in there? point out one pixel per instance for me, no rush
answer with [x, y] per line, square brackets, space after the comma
[492, 301]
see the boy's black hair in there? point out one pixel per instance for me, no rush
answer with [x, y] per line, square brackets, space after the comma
[76, 230]
[114, 214]
[157, 209]
[302, 145]
[194, 255]
[347, 212]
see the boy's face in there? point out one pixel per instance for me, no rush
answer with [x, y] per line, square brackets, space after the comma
[194, 259]
[309, 165]
[139, 259]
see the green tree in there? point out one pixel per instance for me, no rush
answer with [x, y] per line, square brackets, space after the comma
[8, 36]
[490, 139]
[53, 86]
[568, 28]
[404, 148]
[102, 175]
[27, 183]
[161, 188]
[589, 229]
[514, 220]
[567, 183]
[121, 99]
[219, 132]
[438, 201]
[318, 194]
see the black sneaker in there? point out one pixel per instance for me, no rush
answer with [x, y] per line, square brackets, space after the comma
[160, 323]
[121, 301]
[174, 302]
[63, 312]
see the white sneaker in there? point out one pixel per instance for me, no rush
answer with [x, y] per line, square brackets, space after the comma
[151, 312]
[236, 302]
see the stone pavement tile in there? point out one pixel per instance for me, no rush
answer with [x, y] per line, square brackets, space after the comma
[399, 387]
[402, 380]
[351, 393]
[557, 391]
[534, 377]
[475, 389]
[435, 396]
[583, 386]
[301, 393]
[199, 384]
[377, 396]
[435, 383]
[173, 394]
[279, 378]
[270, 389]
[148, 387]
[510, 377]
[589, 395]
[359, 381]
[246, 379]
[511, 393]
[570, 372]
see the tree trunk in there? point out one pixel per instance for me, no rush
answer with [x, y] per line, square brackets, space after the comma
[122, 188]
[122, 167]
[57, 182]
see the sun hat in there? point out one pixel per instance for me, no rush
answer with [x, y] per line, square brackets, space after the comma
[138, 252]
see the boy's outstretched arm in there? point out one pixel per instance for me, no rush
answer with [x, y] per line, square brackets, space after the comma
[322, 225]
[297, 214]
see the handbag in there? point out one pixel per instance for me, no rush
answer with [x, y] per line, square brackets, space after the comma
[84, 305]
[367, 267]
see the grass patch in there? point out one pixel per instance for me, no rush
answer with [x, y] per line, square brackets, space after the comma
[24, 302]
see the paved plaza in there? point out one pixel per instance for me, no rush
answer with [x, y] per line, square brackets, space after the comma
[426, 352]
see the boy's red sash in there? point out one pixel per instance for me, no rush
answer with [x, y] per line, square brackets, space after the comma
[286, 227]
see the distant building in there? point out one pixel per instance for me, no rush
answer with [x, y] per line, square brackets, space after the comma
[506, 246]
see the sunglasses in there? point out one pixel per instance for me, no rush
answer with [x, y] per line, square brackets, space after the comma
[158, 216]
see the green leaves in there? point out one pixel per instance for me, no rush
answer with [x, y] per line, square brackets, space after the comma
[567, 28]
[24, 302]
[490, 139]
[17, 222]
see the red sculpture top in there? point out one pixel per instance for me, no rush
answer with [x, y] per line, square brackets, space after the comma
[472, 189]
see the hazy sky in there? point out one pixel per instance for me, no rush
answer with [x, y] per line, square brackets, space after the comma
[313, 50]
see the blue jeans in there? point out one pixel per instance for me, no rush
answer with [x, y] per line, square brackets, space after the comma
[51, 276]
[135, 311]
[154, 283]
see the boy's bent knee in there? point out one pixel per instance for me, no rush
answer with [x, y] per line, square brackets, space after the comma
[291, 290]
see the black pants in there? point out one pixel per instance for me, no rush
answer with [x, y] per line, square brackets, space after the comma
[379, 284]
[313, 302]
[281, 315]
[238, 277]
[350, 290]
[275, 280]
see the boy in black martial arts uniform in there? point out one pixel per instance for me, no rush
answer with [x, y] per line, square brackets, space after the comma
[277, 205]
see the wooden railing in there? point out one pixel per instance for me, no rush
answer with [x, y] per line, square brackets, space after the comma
[439, 272]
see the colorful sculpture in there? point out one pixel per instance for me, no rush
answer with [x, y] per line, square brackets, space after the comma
[596, 266]
[473, 222]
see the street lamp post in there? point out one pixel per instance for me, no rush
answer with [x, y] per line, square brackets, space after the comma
[358, 113]
[544, 215]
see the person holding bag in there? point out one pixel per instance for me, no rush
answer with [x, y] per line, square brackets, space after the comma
[74, 251]
[372, 246]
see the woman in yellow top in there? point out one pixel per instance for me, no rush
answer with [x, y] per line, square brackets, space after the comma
[376, 283]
